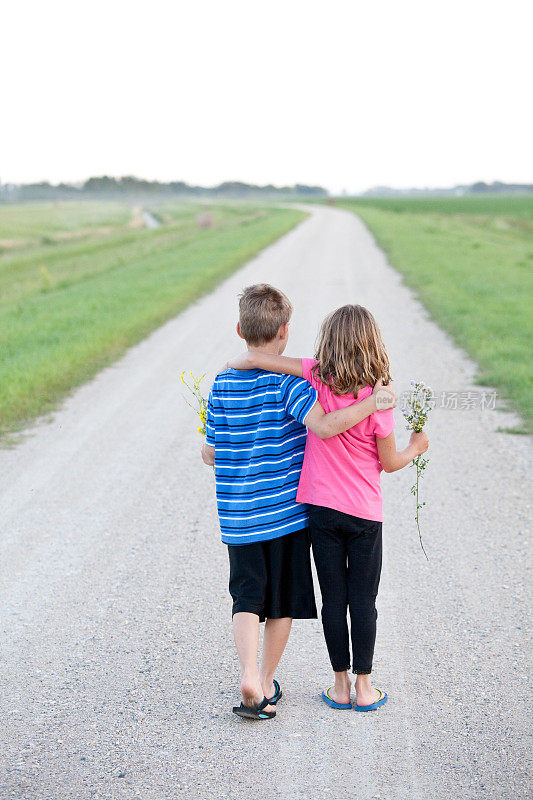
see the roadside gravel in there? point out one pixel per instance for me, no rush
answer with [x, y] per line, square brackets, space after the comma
[117, 664]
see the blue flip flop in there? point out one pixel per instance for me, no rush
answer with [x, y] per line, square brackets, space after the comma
[381, 702]
[333, 703]
[278, 694]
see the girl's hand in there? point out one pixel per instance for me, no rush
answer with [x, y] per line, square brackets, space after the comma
[420, 441]
[385, 396]
[242, 362]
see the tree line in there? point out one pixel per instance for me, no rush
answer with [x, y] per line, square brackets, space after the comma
[497, 187]
[129, 186]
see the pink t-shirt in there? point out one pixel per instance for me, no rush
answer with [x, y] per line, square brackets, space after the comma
[344, 472]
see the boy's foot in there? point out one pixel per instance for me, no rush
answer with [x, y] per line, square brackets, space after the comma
[252, 694]
[247, 712]
[269, 690]
[273, 693]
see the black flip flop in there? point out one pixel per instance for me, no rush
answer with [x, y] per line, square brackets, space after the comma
[278, 694]
[250, 712]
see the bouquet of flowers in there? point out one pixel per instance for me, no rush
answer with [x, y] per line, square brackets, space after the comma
[200, 402]
[418, 404]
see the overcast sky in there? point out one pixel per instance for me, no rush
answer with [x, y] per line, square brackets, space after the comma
[343, 94]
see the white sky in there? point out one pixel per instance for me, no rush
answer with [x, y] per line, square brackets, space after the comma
[343, 94]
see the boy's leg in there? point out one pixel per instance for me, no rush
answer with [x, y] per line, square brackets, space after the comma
[275, 638]
[247, 584]
[364, 570]
[246, 635]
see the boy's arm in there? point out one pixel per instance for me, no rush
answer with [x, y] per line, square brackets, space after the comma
[392, 459]
[268, 362]
[208, 454]
[327, 425]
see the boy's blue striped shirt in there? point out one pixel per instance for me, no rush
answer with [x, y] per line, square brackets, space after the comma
[255, 423]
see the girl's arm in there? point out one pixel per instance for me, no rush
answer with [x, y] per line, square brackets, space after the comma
[255, 359]
[392, 459]
[325, 425]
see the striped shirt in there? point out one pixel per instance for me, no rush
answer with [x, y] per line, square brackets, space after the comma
[255, 423]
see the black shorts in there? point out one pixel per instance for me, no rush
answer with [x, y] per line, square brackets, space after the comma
[273, 579]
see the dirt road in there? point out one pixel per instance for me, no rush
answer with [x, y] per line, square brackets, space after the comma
[118, 670]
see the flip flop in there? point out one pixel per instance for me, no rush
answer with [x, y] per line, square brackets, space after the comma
[373, 706]
[254, 712]
[333, 703]
[278, 694]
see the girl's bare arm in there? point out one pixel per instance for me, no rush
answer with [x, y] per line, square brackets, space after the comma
[324, 425]
[392, 459]
[255, 359]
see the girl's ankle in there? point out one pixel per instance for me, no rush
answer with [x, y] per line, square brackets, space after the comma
[342, 680]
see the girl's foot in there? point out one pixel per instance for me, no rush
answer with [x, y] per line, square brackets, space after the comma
[365, 695]
[340, 695]
[340, 692]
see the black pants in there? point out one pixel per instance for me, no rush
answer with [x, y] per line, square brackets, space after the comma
[347, 553]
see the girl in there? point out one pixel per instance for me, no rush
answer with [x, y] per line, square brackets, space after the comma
[340, 482]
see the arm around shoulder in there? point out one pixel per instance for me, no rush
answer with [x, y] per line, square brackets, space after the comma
[327, 425]
[256, 359]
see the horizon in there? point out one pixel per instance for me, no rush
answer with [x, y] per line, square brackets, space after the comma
[78, 184]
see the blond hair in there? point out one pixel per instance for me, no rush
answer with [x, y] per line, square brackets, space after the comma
[350, 351]
[262, 310]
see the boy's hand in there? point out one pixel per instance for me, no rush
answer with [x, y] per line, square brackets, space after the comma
[385, 396]
[208, 455]
[420, 441]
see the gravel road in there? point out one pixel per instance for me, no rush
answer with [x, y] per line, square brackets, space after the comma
[118, 670]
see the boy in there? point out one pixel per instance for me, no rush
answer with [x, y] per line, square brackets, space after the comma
[256, 431]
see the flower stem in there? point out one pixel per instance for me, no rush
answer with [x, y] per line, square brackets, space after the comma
[419, 469]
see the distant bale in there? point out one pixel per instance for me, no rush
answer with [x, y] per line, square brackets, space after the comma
[331, 201]
[204, 220]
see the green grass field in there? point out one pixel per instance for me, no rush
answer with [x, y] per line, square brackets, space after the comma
[81, 282]
[471, 262]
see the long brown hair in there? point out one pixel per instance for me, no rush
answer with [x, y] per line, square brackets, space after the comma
[350, 351]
